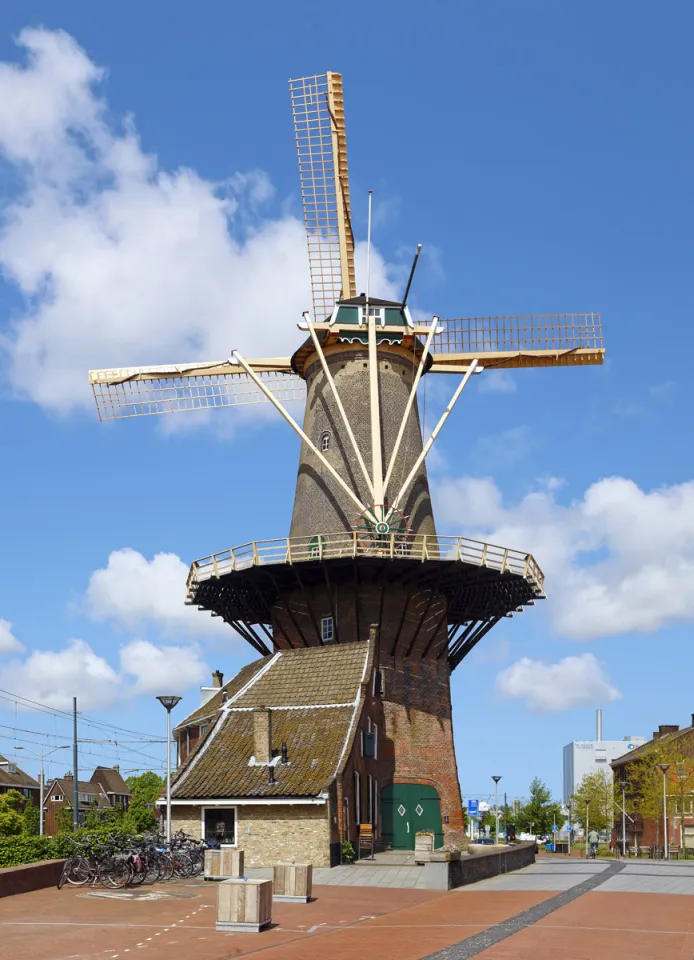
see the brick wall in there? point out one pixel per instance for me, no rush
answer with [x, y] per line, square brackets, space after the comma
[419, 733]
[269, 834]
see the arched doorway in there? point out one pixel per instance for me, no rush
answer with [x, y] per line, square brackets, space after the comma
[407, 808]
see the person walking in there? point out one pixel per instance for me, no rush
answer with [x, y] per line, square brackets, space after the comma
[593, 840]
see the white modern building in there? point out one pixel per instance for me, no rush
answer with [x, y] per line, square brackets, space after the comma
[584, 757]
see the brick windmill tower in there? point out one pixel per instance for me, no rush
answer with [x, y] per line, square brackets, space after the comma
[363, 560]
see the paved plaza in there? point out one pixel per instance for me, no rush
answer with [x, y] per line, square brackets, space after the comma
[558, 908]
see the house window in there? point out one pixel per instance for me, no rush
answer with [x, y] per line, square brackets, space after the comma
[203, 728]
[327, 629]
[325, 442]
[369, 799]
[85, 797]
[220, 825]
[375, 803]
[56, 799]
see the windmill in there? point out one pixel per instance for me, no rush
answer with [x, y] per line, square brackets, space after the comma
[363, 552]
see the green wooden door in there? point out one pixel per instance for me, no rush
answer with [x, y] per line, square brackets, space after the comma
[407, 808]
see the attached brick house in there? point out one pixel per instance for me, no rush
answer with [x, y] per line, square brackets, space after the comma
[287, 759]
[678, 744]
[114, 786]
[13, 778]
[58, 796]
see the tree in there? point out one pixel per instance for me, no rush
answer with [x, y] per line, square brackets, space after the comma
[32, 820]
[148, 785]
[12, 805]
[139, 818]
[540, 813]
[644, 793]
[63, 819]
[594, 799]
[97, 818]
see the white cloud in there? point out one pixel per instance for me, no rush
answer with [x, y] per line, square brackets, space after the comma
[556, 687]
[54, 677]
[497, 381]
[8, 642]
[617, 560]
[120, 262]
[132, 590]
[159, 670]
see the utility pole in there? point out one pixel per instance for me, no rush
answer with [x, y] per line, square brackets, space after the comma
[505, 818]
[75, 772]
[496, 808]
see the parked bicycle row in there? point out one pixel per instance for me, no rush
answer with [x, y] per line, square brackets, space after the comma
[117, 861]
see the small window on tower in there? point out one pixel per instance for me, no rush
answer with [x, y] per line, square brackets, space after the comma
[327, 629]
[325, 442]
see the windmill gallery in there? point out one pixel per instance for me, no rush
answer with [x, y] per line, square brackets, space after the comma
[360, 615]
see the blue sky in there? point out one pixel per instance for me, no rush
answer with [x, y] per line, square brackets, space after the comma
[541, 152]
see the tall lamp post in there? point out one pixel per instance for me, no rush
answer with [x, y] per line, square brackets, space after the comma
[587, 825]
[664, 767]
[168, 703]
[496, 808]
[42, 779]
[624, 819]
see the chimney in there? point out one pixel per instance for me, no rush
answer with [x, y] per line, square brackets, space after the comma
[598, 725]
[217, 678]
[664, 728]
[262, 735]
[116, 767]
[693, 719]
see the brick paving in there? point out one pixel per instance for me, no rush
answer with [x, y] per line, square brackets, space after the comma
[531, 909]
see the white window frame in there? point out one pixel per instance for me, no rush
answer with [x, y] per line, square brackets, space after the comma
[375, 733]
[370, 798]
[57, 798]
[323, 632]
[357, 800]
[325, 441]
[219, 806]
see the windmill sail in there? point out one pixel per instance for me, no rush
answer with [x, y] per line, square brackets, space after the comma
[319, 126]
[146, 391]
[542, 340]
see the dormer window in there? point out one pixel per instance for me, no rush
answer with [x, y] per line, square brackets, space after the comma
[325, 442]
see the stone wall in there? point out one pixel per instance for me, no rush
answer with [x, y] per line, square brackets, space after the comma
[269, 834]
[32, 876]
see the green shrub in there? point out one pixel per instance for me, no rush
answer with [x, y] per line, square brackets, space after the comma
[18, 850]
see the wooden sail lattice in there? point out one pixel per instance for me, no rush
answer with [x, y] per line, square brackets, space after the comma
[319, 127]
[157, 390]
[551, 339]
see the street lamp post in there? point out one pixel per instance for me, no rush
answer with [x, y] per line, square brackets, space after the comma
[570, 805]
[587, 824]
[664, 767]
[624, 820]
[168, 703]
[42, 779]
[496, 808]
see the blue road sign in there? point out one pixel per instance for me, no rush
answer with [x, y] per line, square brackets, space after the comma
[473, 808]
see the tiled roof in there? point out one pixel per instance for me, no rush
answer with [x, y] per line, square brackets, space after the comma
[18, 780]
[111, 780]
[314, 739]
[314, 694]
[644, 749]
[210, 708]
[83, 786]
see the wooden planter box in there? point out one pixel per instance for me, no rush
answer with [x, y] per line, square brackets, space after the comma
[292, 881]
[224, 864]
[244, 906]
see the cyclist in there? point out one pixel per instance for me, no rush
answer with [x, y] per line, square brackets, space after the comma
[593, 840]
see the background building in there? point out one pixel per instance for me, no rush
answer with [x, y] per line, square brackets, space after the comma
[585, 757]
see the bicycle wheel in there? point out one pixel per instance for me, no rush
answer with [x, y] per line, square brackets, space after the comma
[166, 866]
[182, 866]
[80, 872]
[137, 876]
[114, 873]
[63, 876]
